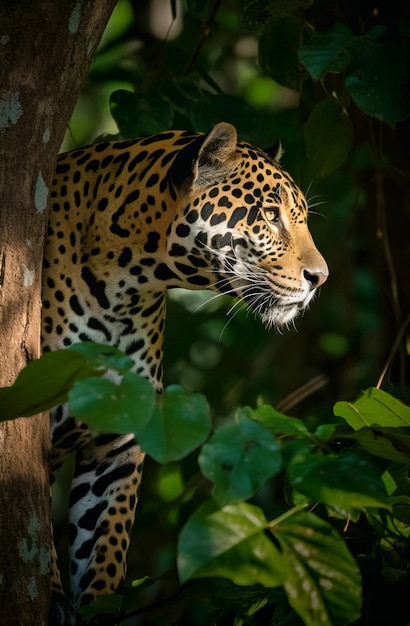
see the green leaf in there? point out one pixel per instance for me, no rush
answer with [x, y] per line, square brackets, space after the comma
[179, 424]
[373, 407]
[145, 582]
[392, 444]
[211, 109]
[238, 458]
[280, 36]
[346, 481]
[142, 113]
[325, 431]
[123, 108]
[123, 407]
[401, 510]
[328, 52]
[44, 383]
[377, 80]
[277, 423]
[323, 584]
[229, 543]
[328, 136]
[106, 356]
[102, 605]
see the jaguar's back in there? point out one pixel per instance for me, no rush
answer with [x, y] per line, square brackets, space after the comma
[129, 220]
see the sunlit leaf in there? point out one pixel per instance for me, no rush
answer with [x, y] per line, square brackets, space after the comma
[179, 424]
[277, 423]
[229, 543]
[373, 407]
[107, 356]
[123, 407]
[323, 583]
[44, 383]
[238, 458]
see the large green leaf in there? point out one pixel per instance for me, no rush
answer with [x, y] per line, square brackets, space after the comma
[140, 114]
[323, 582]
[123, 407]
[106, 356]
[277, 423]
[277, 37]
[238, 458]
[373, 407]
[328, 52]
[229, 543]
[392, 444]
[211, 109]
[346, 481]
[377, 80]
[328, 136]
[123, 107]
[179, 424]
[46, 382]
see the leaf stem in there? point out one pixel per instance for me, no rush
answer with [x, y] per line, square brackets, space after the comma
[285, 515]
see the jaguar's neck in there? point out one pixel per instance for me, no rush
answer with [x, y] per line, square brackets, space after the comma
[133, 321]
[139, 331]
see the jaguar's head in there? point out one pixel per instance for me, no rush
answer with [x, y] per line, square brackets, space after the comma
[244, 228]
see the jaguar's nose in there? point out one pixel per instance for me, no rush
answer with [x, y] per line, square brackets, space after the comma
[315, 278]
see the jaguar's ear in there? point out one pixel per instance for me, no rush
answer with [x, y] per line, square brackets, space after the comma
[275, 152]
[217, 156]
[207, 160]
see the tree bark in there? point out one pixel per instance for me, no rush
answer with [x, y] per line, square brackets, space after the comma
[45, 51]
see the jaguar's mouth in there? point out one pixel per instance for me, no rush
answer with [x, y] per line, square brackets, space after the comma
[274, 304]
[275, 310]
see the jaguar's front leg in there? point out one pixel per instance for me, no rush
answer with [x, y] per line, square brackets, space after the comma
[102, 508]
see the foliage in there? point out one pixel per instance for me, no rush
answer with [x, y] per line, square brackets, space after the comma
[263, 518]
[301, 546]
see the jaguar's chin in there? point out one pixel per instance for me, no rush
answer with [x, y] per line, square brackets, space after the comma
[277, 313]
[281, 315]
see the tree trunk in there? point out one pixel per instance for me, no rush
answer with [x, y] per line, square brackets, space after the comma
[45, 51]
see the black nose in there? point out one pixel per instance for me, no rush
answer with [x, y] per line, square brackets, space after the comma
[314, 278]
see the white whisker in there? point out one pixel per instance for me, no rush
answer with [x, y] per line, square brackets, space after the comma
[241, 308]
[254, 287]
[316, 213]
[306, 194]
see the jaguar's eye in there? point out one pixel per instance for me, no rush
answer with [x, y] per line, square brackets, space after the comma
[272, 214]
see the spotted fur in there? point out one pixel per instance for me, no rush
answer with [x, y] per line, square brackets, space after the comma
[129, 220]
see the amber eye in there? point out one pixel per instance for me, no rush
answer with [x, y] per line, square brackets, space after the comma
[272, 214]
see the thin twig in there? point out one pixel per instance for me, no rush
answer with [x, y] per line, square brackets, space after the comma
[306, 390]
[206, 31]
[393, 350]
[381, 234]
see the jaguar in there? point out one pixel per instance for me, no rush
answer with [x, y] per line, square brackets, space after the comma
[128, 220]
